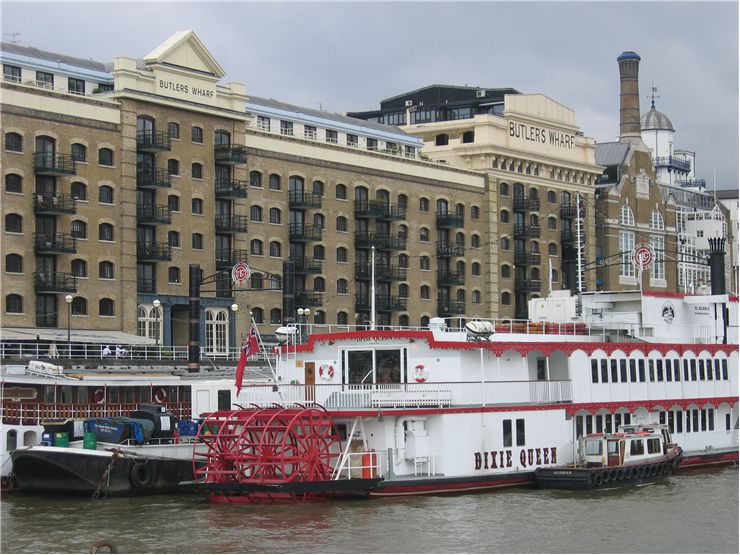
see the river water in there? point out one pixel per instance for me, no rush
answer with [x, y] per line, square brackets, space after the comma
[694, 512]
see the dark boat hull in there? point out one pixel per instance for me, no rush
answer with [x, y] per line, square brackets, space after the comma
[68, 471]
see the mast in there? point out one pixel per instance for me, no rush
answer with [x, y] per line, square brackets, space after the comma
[579, 247]
[372, 288]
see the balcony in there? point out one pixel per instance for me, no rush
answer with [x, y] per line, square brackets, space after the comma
[700, 183]
[447, 249]
[153, 179]
[383, 303]
[54, 282]
[522, 204]
[54, 243]
[231, 188]
[227, 258]
[46, 320]
[382, 272]
[450, 308]
[153, 251]
[673, 163]
[304, 232]
[145, 285]
[49, 163]
[381, 241]
[305, 299]
[523, 258]
[153, 141]
[54, 204]
[450, 220]
[302, 200]
[525, 231]
[445, 277]
[307, 265]
[230, 154]
[529, 285]
[568, 210]
[229, 223]
[567, 236]
[379, 209]
[153, 214]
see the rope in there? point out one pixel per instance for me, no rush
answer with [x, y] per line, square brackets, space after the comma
[105, 478]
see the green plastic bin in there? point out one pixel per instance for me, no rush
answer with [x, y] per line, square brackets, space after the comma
[90, 441]
[61, 439]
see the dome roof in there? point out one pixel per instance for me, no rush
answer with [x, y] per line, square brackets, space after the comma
[654, 120]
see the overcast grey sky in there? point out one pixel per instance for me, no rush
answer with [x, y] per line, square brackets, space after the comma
[347, 56]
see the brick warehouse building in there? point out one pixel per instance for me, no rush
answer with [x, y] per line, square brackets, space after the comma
[117, 177]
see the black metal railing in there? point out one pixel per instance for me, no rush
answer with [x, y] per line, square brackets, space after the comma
[447, 249]
[153, 178]
[230, 154]
[448, 308]
[383, 303]
[379, 209]
[530, 285]
[308, 298]
[381, 241]
[50, 163]
[154, 214]
[153, 141]
[568, 210]
[226, 258]
[231, 223]
[54, 243]
[307, 265]
[701, 183]
[54, 282]
[383, 272]
[673, 162]
[54, 204]
[145, 285]
[304, 232]
[153, 251]
[303, 200]
[231, 188]
[446, 277]
[526, 231]
[523, 258]
[567, 236]
[450, 219]
[522, 204]
[47, 320]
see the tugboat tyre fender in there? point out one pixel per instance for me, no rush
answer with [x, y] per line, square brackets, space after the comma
[598, 479]
[140, 475]
[112, 547]
[627, 473]
[605, 476]
[613, 474]
[620, 474]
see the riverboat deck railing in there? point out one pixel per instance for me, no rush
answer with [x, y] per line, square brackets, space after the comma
[410, 395]
[34, 414]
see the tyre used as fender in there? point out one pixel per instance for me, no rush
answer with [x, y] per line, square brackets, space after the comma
[140, 475]
[598, 479]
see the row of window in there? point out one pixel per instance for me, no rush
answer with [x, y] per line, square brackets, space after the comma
[14, 264]
[14, 224]
[533, 193]
[678, 421]
[106, 195]
[319, 317]
[14, 143]
[534, 220]
[658, 370]
[78, 307]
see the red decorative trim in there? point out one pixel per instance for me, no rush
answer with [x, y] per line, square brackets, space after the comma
[671, 295]
[522, 347]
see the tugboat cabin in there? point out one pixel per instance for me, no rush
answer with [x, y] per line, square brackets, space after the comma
[631, 445]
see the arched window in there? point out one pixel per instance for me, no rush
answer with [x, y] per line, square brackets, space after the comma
[276, 216]
[403, 261]
[460, 267]
[403, 291]
[319, 284]
[533, 194]
[173, 167]
[424, 292]
[403, 201]
[196, 170]
[319, 317]
[173, 239]
[505, 271]
[276, 249]
[197, 205]
[506, 298]
[105, 194]
[14, 223]
[173, 130]
[276, 316]
[274, 182]
[534, 273]
[424, 322]
[554, 275]
[552, 197]
[656, 220]
[150, 322]
[257, 281]
[318, 188]
[105, 157]
[173, 274]
[552, 249]
[341, 191]
[475, 268]
[424, 263]
[106, 307]
[505, 243]
[474, 212]
[258, 315]
[13, 142]
[626, 216]
[504, 216]
[197, 241]
[318, 220]
[342, 224]
[403, 231]
[14, 263]
[105, 232]
[442, 139]
[196, 135]
[460, 295]
[106, 270]
[13, 183]
[534, 246]
[443, 206]
[79, 190]
[475, 297]
[403, 320]
[255, 213]
[534, 220]
[475, 241]
[79, 267]
[424, 234]
[468, 137]
[79, 229]
[255, 178]
[342, 318]
[504, 189]
[423, 204]
[319, 252]
[222, 137]
[552, 222]
[217, 331]
[79, 306]
[13, 304]
[564, 197]
[255, 247]
[342, 286]
[79, 152]
[341, 254]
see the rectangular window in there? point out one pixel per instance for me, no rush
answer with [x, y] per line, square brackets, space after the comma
[594, 371]
[641, 369]
[701, 369]
[676, 370]
[263, 123]
[614, 371]
[579, 425]
[679, 422]
[608, 423]
[709, 369]
[637, 447]
[688, 421]
[710, 420]
[372, 144]
[728, 427]
[668, 371]
[693, 369]
[651, 369]
[196, 135]
[286, 128]
[657, 268]
[695, 420]
[685, 370]
[717, 372]
[507, 433]
[659, 370]
[309, 132]
[76, 86]
[626, 244]
[224, 399]
[332, 136]
[724, 368]
[352, 140]
[653, 445]
[520, 439]
[703, 420]
[589, 424]
[12, 73]
[604, 371]
[623, 370]
[633, 370]
[44, 79]
[599, 424]
[671, 422]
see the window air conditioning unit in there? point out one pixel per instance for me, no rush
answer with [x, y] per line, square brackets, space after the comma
[480, 94]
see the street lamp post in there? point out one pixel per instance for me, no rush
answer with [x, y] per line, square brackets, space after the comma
[234, 309]
[157, 303]
[303, 314]
[68, 300]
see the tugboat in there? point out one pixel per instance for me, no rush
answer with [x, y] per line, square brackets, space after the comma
[634, 455]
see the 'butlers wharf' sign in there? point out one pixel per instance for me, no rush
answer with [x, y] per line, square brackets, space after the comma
[541, 135]
[184, 89]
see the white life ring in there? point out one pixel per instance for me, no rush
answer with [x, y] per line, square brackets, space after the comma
[160, 395]
[98, 396]
[326, 372]
[420, 373]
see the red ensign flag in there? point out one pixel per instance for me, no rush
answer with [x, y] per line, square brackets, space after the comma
[249, 348]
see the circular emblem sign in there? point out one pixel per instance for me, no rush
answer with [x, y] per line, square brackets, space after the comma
[240, 273]
[643, 256]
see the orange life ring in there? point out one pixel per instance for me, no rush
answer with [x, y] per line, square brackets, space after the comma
[326, 372]
[160, 395]
[98, 396]
[420, 373]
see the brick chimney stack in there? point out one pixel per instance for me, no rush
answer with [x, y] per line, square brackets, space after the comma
[629, 97]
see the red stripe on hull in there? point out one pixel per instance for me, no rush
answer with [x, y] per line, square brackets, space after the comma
[698, 461]
[441, 486]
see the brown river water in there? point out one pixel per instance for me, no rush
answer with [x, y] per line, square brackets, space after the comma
[693, 512]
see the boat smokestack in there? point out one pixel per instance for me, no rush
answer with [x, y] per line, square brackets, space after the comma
[717, 265]
[629, 96]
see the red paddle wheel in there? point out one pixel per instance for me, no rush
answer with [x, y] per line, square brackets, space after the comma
[265, 447]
